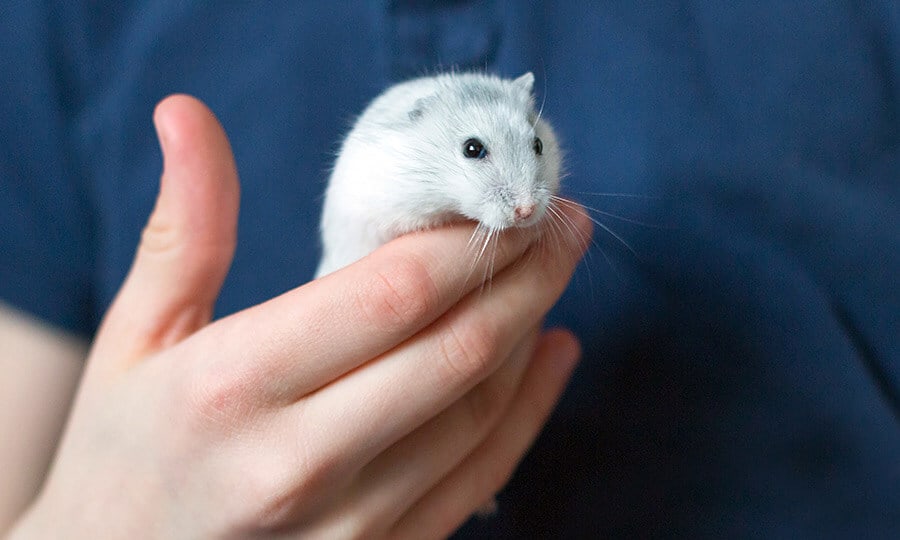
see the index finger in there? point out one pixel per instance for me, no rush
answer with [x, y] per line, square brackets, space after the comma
[309, 336]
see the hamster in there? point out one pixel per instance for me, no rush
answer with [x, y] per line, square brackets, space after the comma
[435, 149]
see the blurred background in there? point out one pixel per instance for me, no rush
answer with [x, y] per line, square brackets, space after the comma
[741, 369]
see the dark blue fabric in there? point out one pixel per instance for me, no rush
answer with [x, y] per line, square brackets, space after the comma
[741, 374]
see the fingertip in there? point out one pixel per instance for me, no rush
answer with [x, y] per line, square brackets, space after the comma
[167, 111]
[182, 120]
[560, 346]
[197, 155]
[489, 467]
[175, 105]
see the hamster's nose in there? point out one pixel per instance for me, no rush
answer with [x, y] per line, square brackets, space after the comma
[524, 211]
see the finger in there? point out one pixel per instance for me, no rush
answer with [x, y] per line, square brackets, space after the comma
[415, 381]
[400, 476]
[312, 335]
[446, 507]
[187, 244]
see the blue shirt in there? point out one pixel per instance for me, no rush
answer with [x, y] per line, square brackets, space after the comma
[741, 371]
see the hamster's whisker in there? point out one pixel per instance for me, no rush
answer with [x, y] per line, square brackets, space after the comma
[471, 241]
[484, 245]
[543, 100]
[495, 239]
[565, 221]
[473, 252]
[569, 233]
[614, 234]
[487, 233]
[485, 238]
[606, 258]
[612, 194]
[576, 234]
[602, 226]
[573, 204]
[557, 231]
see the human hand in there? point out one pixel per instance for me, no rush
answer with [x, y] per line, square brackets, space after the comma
[381, 400]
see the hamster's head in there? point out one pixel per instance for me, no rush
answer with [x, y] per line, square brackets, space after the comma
[487, 150]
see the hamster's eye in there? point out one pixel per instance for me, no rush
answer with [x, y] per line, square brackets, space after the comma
[473, 148]
[538, 146]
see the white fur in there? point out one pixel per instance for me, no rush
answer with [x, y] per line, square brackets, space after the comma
[402, 168]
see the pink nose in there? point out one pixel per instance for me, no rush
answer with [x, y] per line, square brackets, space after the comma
[524, 211]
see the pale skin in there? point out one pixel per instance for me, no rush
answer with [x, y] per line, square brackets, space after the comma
[389, 399]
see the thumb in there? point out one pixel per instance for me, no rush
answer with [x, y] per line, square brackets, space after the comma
[187, 245]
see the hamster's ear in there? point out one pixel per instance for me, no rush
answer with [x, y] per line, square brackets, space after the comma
[525, 82]
[419, 107]
[416, 112]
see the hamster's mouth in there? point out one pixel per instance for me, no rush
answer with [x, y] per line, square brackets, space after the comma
[501, 220]
[529, 216]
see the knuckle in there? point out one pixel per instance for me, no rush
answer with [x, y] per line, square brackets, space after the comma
[270, 492]
[398, 296]
[483, 408]
[160, 235]
[348, 525]
[317, 471]
[354, 526]
[468, 354]
[292, 481]
[221, 400]
[275, 499]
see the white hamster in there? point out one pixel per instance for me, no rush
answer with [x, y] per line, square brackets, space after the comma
[434, 149]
